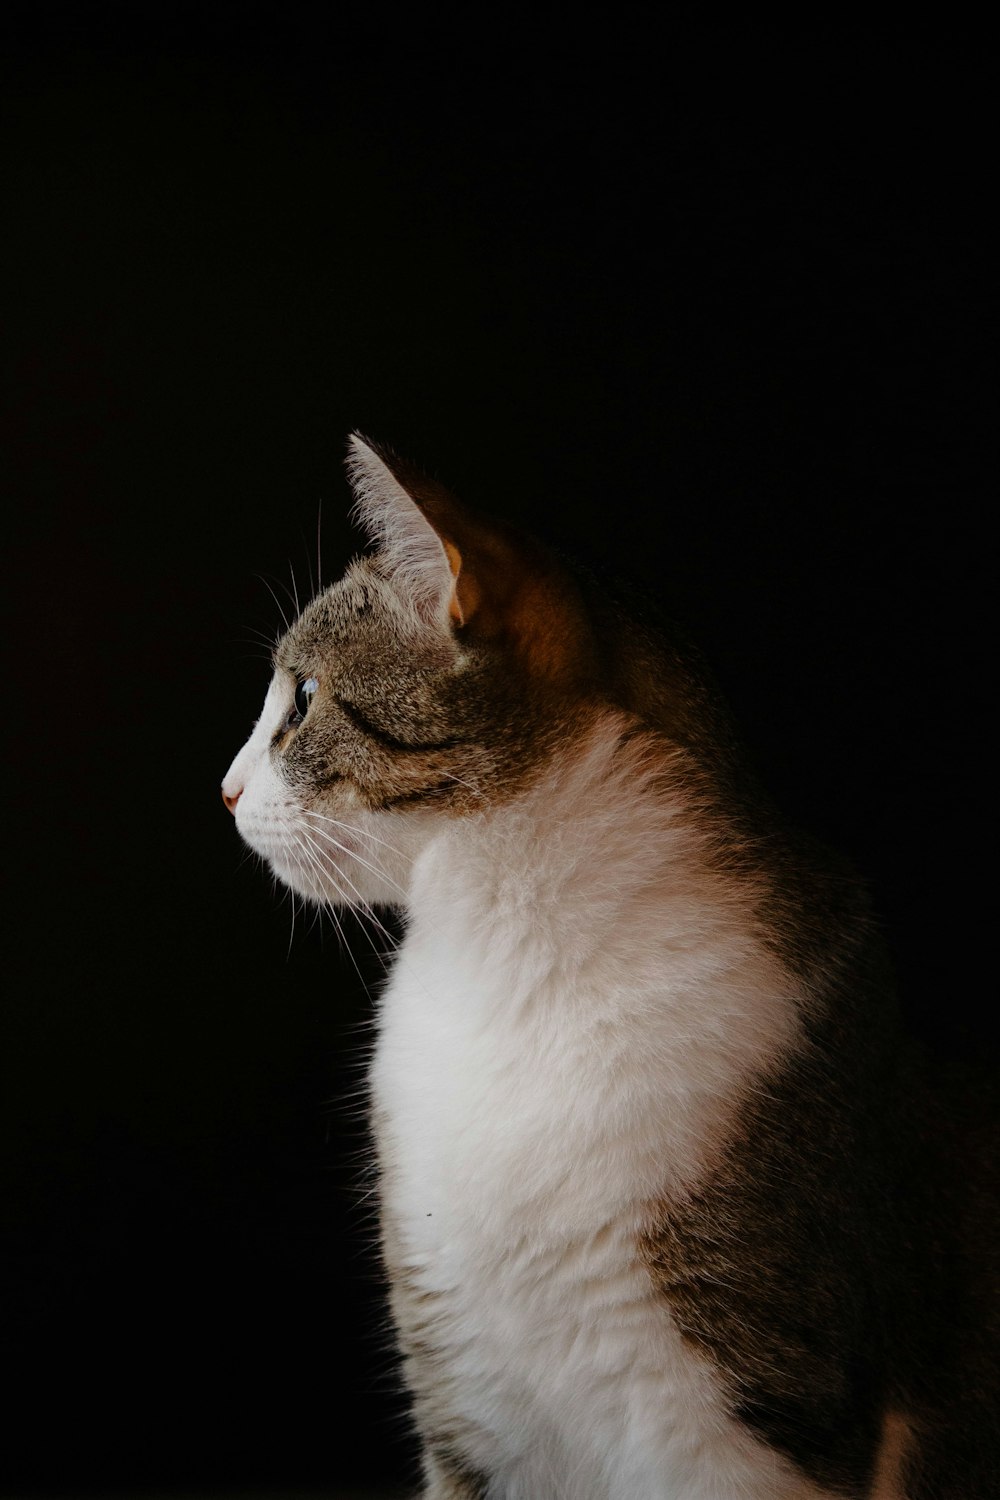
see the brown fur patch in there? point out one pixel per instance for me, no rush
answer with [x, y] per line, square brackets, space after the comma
[449, 1478]
[891, 1462]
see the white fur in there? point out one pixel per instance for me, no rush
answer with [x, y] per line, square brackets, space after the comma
[573, 1016]
[577, 1008]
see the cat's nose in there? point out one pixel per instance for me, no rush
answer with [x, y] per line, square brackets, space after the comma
[231, 801]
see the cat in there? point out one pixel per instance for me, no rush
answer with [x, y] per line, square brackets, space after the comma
[666, 1210]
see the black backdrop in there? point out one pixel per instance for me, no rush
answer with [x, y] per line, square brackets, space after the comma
[709, 307]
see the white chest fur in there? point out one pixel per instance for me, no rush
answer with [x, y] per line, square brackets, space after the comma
[571, 1021]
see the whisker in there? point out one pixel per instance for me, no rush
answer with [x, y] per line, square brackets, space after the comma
[306, 859]
[362, 903]
[322, 833]
[353, 828]
[357, 907]
[291, 935]
[277, 601]
[313, 589]
[475, 790]
[319, 547]
[260, 635]
[255, 638]
[321, 868]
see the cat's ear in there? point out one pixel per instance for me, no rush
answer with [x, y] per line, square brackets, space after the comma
[422, 560]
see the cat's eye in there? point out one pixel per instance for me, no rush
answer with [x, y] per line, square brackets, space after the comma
[304, 694]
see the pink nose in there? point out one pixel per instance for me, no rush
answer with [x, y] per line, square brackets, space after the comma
[232, 801]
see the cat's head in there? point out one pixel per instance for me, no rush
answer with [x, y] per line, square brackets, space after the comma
[432, 682]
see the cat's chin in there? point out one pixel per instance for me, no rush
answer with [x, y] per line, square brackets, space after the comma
[349, 880]
[302, 881]
[318, 885]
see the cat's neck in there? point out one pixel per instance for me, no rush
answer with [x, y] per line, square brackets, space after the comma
[616, 829]
[589, 906]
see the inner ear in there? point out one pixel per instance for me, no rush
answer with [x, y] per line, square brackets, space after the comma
[454, 557]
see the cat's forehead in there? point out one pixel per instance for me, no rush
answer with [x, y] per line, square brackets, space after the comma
[332, 622]
[359, 616]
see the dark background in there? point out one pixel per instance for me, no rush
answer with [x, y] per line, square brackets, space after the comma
[707, 305]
